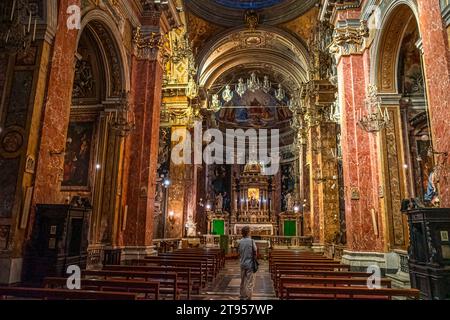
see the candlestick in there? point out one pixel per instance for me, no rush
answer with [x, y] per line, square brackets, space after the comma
[12, 11]
[34, 32]
[29, 22]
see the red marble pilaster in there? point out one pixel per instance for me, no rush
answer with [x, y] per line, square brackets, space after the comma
[359, 159]
[436, 56]
[143, 152]
[56, 111]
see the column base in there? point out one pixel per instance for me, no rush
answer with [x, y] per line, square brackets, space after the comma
[318, 247]
[133, 253]
[10, 270]
[360, 261]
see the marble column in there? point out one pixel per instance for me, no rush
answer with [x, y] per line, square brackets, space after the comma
[57, 112]
[142, 148]
[436, 56]
[360, 148]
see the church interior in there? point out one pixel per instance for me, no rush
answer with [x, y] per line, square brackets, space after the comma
[139, 137]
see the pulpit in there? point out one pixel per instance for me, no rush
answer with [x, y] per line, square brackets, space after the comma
[429, 252]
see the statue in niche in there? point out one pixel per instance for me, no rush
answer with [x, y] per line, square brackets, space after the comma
[227, 94]
[226, 202]
[289, 202]
[219, 202]
[191, 227]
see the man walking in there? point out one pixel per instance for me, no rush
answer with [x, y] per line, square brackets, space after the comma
[247, 253]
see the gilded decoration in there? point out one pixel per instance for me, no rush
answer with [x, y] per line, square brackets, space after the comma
[393, 180]
[389, 49]
[349, 38]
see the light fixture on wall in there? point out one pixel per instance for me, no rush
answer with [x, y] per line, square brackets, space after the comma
[375, 120]
[172, 218]
[17, 28]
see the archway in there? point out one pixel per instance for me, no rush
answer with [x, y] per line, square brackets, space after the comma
[94, 148]
[406, 163]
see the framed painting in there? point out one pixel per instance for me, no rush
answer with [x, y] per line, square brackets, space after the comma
[78, 156]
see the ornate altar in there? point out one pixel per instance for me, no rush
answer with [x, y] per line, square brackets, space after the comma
[252, 205]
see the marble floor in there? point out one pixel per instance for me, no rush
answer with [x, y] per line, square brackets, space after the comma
[227, 284]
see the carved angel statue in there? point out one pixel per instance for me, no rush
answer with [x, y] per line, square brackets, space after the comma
[192, 89]
[241, 87]
[216, 104]
[227, 94]
[266, 84]
[280, 94]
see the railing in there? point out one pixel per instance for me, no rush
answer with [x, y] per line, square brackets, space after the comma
[166, 245]
[404, 260]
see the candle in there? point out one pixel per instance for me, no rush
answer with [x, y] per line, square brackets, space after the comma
[34, 32]
[7, 36]
[29, 22]
[12, 11]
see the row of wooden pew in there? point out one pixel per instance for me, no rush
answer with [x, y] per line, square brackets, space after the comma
[301, 275]
[173, 275]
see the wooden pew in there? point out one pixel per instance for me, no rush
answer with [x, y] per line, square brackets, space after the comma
[338, 293]
[184, 277]
[218, 253]
[62, 294]
[167, 281]
[145, 288]
[207, 271]
[286, 281]
[211, 262]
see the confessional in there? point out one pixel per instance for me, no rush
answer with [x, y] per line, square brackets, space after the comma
[59, 239]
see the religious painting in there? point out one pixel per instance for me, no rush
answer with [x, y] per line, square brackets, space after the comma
[410, 67]
[253, 197]
[77, 162]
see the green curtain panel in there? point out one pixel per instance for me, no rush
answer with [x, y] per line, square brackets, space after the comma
[290, 228]
[218, 227]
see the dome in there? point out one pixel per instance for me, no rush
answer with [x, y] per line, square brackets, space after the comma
[253, 168]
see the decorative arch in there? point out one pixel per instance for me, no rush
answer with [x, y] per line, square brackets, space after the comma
[397, 17]
[113, 53]
[264, 46]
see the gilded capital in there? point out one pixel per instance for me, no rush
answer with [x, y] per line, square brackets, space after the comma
[349, 38]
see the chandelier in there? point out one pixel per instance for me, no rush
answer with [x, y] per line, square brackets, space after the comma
[16, 31]
[124, 121]
[252, 84]
[375, 120]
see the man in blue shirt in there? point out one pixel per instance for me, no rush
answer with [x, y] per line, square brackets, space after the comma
[247, 250]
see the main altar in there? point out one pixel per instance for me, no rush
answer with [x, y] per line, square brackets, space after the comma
[252, 203]
[252, 196]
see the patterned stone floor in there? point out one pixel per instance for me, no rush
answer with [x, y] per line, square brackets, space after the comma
[227, 284]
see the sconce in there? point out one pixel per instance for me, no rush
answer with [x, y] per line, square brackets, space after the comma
[172, 218]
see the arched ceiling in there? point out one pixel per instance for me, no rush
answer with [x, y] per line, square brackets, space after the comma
[230, 13]
[264, 48]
